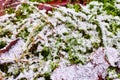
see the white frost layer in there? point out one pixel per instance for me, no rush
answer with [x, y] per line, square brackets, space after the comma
[92, 71]
[13, 53]
[112, 55]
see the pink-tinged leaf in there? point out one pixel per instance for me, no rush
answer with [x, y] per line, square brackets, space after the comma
[12, 51]
[45, 7]
[5, 49]
[96, 69]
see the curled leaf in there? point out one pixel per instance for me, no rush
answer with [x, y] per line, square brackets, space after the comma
[12, 51]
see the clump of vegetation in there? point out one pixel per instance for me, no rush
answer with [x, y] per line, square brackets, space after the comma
[109, 7]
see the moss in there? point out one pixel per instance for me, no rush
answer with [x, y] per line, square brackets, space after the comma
[16, 72]
[91, 6]
[76, 7]
[20, 15]
[23, 78]
[24, 34]
[4, 67]
[47, 76]
[70, 25]
[87, 36]
[74, 59]
[53, 65]
[2, 44]
[6, 32]
[35, 69]
[38, 76]
[45, 52]
[95, 45]
[114, 28]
